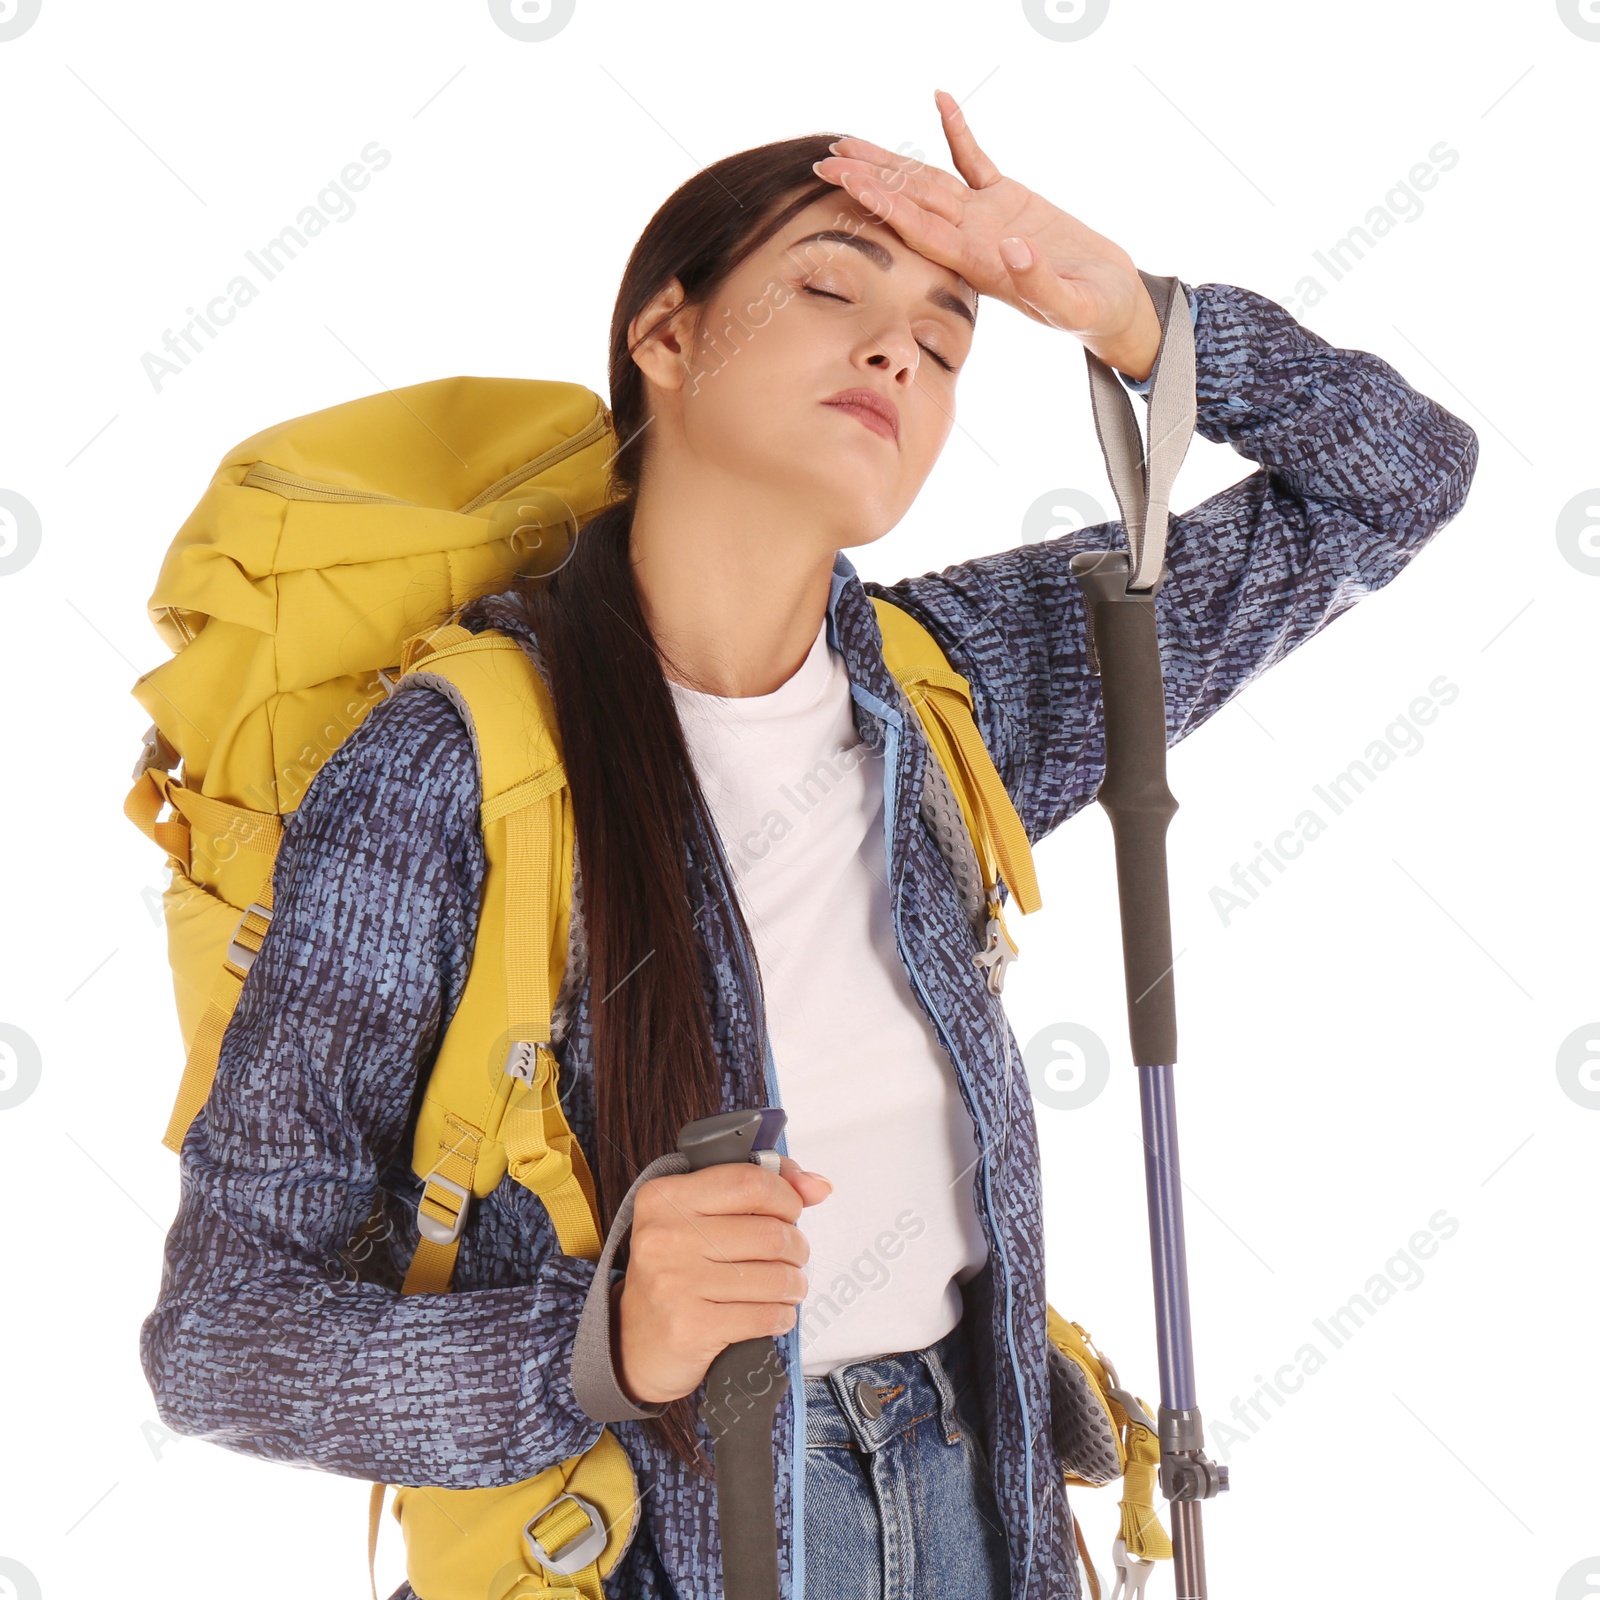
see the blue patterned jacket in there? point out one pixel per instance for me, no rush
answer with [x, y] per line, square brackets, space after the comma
[277, 1335]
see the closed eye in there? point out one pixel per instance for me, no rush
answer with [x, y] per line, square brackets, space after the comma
[948, 366]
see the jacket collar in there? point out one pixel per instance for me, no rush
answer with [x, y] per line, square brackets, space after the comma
[853, 631]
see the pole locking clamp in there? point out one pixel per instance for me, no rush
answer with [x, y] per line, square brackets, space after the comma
[1187, 1472]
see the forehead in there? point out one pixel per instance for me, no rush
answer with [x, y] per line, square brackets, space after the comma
[833, 225]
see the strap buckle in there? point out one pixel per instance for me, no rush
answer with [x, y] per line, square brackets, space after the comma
[1132, 1572]
[434, 1231]
[522, 1060]
[241, 955]
[998, 953]
[154, 752]
[580, 1550]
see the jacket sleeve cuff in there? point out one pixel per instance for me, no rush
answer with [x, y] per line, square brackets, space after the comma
[1142, 386]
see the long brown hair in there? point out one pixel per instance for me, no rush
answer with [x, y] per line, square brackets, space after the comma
[643, 828]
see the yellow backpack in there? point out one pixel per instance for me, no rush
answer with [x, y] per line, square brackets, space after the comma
[327, 561]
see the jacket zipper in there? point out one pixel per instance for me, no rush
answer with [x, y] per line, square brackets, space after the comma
[891, 785]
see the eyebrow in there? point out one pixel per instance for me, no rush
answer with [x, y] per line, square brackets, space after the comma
[884, 261]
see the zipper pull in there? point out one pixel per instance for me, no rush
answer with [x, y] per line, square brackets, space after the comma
[1000, 951]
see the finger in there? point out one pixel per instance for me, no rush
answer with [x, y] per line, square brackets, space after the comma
[738, 1322]
[753, 1282]
[856, 149]
[971, 162]
[681, 1203]
[922, 230]
[811, 1186]
[1036, 284]
[892, 180]
[750, 1238]
[740, 1188]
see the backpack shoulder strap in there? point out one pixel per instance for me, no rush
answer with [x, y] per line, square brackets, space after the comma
[943, 702]
[491, 1103]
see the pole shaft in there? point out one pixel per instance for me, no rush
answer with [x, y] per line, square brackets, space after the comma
[1168, 1261]
[1188, 1551]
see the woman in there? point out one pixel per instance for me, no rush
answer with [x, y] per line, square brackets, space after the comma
[785, 351]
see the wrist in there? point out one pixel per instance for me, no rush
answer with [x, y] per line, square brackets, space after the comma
[1134, 350]
[617, 1369]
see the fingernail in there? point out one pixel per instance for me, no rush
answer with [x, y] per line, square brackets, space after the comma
[1015, 253]
[867, 195]
[820, 1179]
[834, 146]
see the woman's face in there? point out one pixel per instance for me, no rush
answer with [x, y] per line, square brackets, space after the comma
[745, 385]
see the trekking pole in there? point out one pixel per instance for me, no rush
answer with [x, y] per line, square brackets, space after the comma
[744, 1384]
[1119, 589]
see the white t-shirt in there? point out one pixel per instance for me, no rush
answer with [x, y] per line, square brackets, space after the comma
[871, 1094]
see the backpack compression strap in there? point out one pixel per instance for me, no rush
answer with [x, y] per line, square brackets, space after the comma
[218, 832]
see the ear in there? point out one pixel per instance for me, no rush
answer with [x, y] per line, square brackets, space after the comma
[666, 327]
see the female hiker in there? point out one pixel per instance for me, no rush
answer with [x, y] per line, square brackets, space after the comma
[785, 354]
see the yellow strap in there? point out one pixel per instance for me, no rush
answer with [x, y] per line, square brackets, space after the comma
[260, 831]
[432, 1265]
[1003, 848]
[541, 1152]
[544, 1156]
[219, 820]
[942, 699]
[530, 914]
[431, 641]
[200, 1067]
[144, 804]
[1083, 1550]
[1141, 1527]
[216, 820]
[524, 794]
[585, 1584]
[431, 1268]
[553, 1528]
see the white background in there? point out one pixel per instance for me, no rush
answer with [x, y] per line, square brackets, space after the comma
[1373, 1041]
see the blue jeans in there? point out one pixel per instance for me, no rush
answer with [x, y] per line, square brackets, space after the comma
[899, 1505]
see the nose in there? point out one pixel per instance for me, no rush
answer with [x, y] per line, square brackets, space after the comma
[896, 352]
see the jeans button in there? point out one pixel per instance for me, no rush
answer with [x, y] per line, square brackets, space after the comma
[867, 1398]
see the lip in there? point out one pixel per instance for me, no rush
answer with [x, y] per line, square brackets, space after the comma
[881, 415]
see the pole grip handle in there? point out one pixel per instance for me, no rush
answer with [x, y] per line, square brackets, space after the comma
[744, 1386]
[1125, 654]
[730, 1136]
